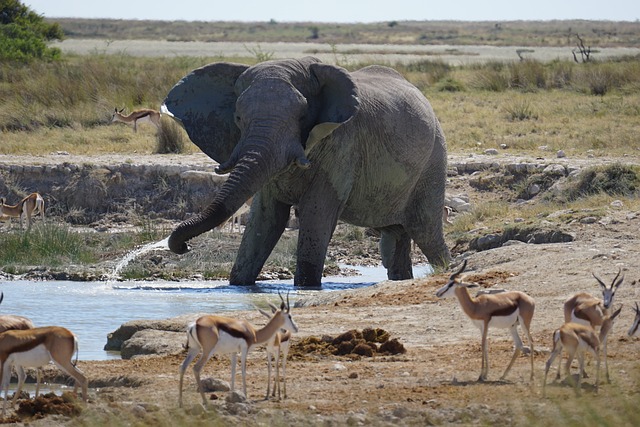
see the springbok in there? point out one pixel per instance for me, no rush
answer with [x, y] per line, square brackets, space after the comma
[500, 310]
[588, 310]
[30, 206]
[144, 115]
[14, 322]
[212, 334]
[237, 215]
[633, 331]
[35, 348]
[578, 338]
[277, 347]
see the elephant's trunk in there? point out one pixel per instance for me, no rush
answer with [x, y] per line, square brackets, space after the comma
[254, 168]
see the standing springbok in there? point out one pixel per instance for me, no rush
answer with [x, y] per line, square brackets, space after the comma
[211, 335]
[633, 331]
[499, 310]
[35, 348]
[588, 310]
[236, 217]
[277, 347]
[31, 205]
[578, 338]
[144, 115]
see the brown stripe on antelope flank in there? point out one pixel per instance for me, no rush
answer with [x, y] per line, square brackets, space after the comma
[506, 311]
[231, 331]
[24, 340]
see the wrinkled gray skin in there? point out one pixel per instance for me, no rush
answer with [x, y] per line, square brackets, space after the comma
[363, 147]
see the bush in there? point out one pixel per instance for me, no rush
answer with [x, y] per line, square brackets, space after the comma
[170, 138]
[24, 34]
[614, 180]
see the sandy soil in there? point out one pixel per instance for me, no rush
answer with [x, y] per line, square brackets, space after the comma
[434, 382]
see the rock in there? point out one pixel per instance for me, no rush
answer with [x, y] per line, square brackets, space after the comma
[177, 324]
[490, 241]
[151, 341]
[533, 189]
[561, 154]
[588, 220]
[236, 397]
[213, 384]
[555, 170]
[491, 152]
[617, 204]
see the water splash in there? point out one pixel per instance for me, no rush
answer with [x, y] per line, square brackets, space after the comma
[161, 245]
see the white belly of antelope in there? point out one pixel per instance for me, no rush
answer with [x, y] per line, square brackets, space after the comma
[34, 358]
[499, 321]
[228, 344]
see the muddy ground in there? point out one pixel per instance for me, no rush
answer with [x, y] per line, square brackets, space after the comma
[435, 381]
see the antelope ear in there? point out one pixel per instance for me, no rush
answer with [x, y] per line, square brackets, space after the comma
[615, 313]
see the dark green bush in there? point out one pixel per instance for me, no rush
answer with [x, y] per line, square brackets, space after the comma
[24, 34]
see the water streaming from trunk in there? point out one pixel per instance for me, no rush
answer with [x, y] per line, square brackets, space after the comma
[161, 245]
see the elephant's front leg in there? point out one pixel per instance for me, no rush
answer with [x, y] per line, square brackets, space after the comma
[267, 221]
[318, 220]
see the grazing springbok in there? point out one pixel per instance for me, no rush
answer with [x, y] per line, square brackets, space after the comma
[588, 310]
[277, 347]
[35, 348]
[633, 331]
[500, 310]
[31, 205]
[211, 335]
[144, 115]
[578, 338]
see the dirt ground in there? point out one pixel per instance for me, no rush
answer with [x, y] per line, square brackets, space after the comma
[435, 381]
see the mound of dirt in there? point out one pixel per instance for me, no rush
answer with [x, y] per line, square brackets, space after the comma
[50, 403]
[353, 344]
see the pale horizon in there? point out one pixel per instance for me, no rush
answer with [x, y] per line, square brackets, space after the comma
[335, 11]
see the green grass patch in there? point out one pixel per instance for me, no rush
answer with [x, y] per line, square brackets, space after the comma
[45, 244]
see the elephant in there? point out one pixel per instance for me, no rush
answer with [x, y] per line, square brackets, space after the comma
[363, 147]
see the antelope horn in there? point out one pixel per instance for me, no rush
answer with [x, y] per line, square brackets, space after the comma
[460, 270]
[599, 281]
[619, 281]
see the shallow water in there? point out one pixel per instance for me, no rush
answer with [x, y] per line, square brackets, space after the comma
[94, 309]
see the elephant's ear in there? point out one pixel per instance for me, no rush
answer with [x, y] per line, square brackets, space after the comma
[203, 102]
[338, 97]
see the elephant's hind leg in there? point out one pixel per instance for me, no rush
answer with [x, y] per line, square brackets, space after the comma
[395, 249]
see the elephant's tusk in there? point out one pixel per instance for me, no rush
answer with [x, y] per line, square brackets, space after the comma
[223, 169]
[303, 163]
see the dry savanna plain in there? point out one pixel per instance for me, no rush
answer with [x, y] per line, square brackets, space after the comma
[551, 113]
